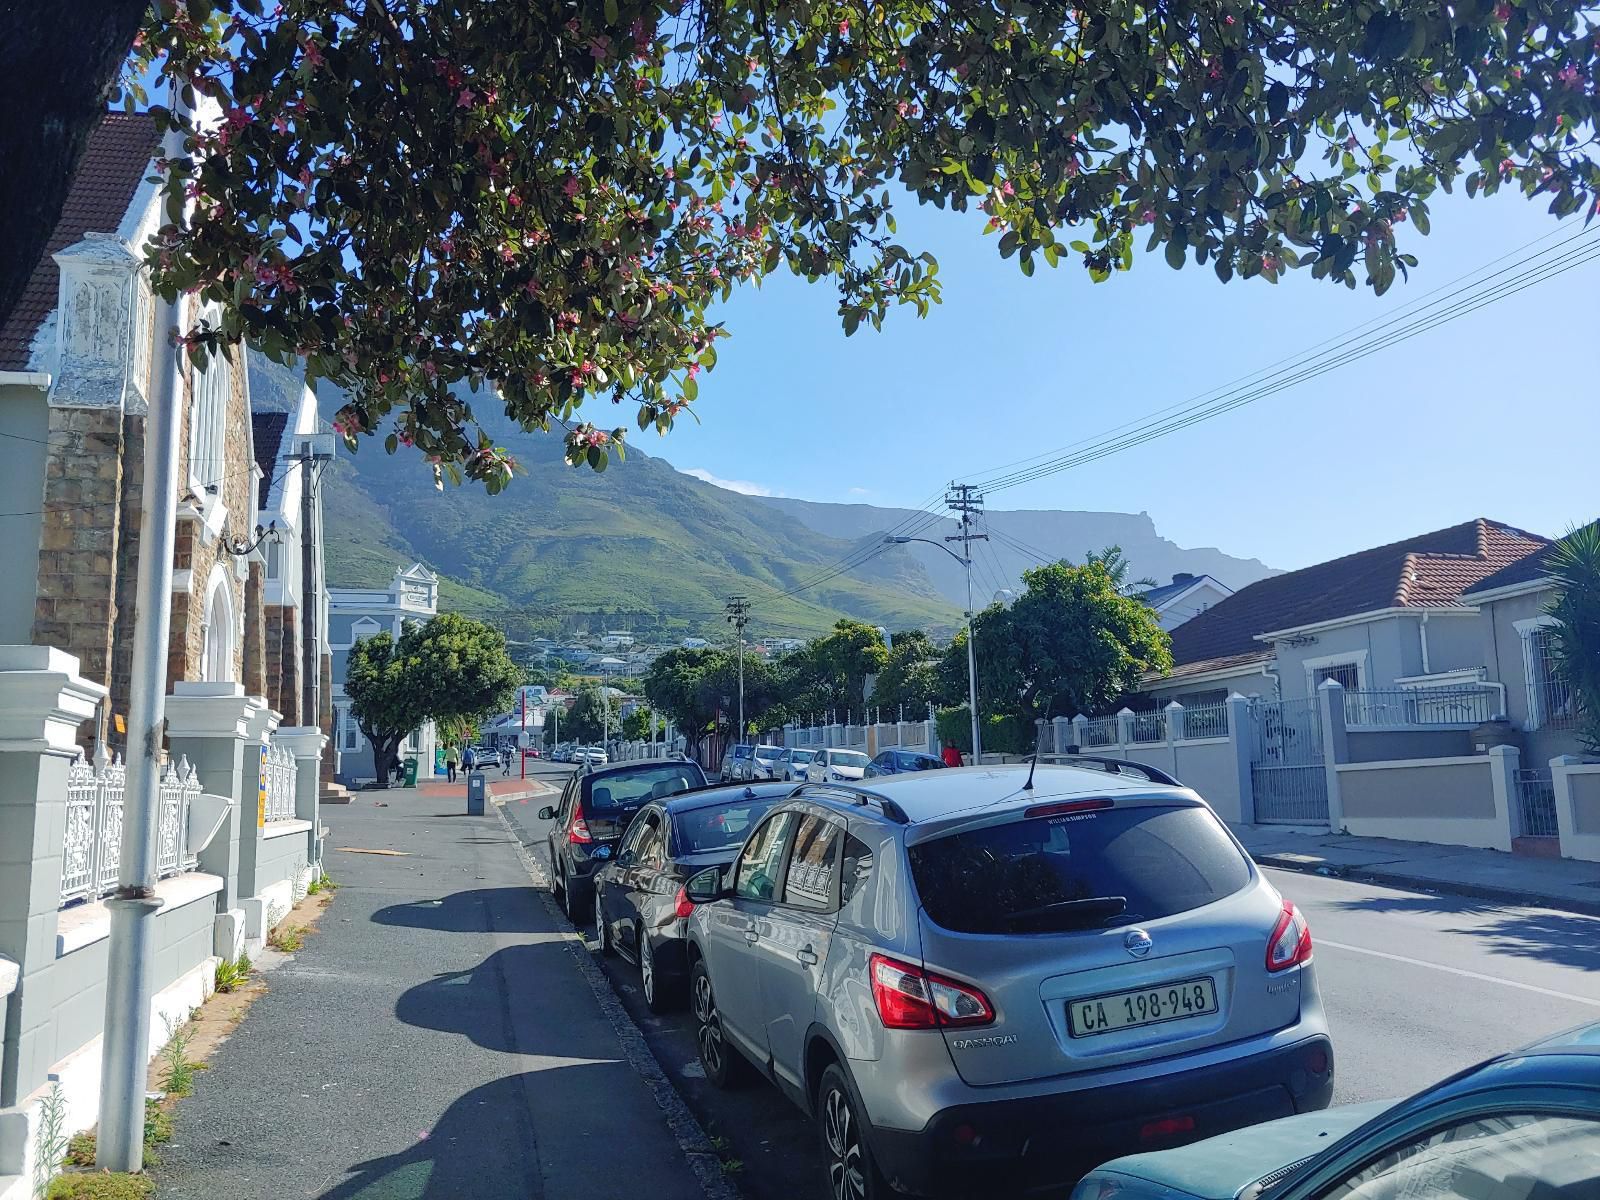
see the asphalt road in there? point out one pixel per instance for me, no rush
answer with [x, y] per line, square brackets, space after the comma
[1417, 986]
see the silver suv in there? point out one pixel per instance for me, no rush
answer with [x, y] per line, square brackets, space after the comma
[978, 978]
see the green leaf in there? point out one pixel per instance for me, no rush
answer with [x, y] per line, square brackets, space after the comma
[1175, 254]
[611, 12]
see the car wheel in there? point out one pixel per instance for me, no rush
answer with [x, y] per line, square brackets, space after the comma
[604, 945]
[659, 994]
[852, 1175]
[723, 1065]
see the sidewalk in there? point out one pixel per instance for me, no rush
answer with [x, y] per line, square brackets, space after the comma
[436, 1038]
[1562, 883]
[511, 788]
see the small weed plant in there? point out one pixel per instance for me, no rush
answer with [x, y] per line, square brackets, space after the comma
[232, 974]
[51, 1141]
[177, 1072]
[286, 939]
[157, 1131]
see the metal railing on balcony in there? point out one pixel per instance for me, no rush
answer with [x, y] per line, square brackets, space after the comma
[1404, 708]
[277, 765]
[1203, 721]
[1149, 727]
[92, 847]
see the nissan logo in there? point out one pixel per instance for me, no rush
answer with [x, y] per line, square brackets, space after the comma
[1137, 943]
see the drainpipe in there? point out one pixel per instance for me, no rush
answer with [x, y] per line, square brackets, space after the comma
[1422, 634]
[1271, 672]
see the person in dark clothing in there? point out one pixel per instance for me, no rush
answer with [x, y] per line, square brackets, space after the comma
[452, 759]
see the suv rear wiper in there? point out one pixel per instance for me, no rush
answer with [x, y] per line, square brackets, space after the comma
[1095, 908]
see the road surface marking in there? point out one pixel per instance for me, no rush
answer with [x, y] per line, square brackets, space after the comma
[1417, 962]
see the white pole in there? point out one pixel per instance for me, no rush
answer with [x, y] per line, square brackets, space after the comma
[972, 667]
[125, 1051]
[740, 738]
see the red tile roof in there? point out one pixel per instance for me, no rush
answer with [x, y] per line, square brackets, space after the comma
[1429, 571]
[116, 162]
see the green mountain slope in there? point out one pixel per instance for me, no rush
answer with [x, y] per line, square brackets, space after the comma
[642, 543]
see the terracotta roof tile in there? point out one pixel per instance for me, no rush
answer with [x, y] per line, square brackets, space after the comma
[113, 166]
[1428, 571]
[267, 432]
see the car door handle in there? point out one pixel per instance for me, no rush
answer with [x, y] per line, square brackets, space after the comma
[751, 937]
[807, 955]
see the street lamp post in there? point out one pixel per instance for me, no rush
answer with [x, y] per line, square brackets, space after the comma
[972, 659]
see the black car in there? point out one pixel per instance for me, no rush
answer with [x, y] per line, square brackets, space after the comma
[640, 907]
[594, 809]
[903, 762]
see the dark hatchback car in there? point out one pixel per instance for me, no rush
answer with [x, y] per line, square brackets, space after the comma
[640, 905]
[903, 762]
[594, 810]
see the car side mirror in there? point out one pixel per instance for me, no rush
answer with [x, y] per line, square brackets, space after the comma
[705, 887]
[625, 859]
[547, 813]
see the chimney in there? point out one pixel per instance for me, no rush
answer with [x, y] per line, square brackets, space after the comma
[1183, 577]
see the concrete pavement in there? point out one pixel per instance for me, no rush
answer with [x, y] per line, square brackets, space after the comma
[1485, 874]
[436, 1039]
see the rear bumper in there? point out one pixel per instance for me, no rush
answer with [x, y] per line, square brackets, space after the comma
[1048, 1141]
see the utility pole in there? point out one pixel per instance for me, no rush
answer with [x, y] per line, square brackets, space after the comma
[738, 610]
[965, 499]
[311, 453]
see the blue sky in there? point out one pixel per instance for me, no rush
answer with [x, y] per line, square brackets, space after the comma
[1488, 415]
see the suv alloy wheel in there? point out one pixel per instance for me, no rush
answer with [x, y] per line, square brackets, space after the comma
[725, 1068]
[852, 1175]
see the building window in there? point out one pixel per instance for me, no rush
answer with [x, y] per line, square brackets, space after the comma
[1550, 701]
[217, 662]
[274, 559]
[208, 411]
[1347, 675]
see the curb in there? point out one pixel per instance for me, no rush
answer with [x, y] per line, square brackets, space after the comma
[685, 1127]
[1472, 891]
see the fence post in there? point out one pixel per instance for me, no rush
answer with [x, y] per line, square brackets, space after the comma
[1175, 734]
[1503, 764]
[1080, 731]
[307, 743]
[1575, 841]
[1335, 745]
[42, 702]
[1241, 741]
[1125, 729]
[1063, 734]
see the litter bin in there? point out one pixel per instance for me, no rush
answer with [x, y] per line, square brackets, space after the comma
[477, 790]
[411, 771]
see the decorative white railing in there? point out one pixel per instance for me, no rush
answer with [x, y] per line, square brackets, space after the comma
[1101, 731]
[278, 767]
[1203, 721]
[92, 847]
[1149, 727]
[1410, 707]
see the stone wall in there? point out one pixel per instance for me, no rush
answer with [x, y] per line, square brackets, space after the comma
[283, 662]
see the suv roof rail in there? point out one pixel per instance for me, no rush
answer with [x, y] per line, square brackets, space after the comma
[860, 797]
[1116, 766]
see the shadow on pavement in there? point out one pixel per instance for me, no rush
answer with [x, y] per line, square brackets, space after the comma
[1417, 902]
[1544, 935]
[473, 1003]
[482, 910]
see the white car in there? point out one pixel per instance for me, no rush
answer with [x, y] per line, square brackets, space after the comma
[766, 763]
[594, 756]
[792, 765]
[836, 766]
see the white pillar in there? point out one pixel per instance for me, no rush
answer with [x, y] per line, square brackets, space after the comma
[1580, 836]
[1241, 735]
[1503, 764]
[1335, 745]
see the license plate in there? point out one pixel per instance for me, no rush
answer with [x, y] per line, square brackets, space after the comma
[1145, 1006]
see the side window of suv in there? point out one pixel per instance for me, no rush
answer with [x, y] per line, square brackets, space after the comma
[756, 873]
[857, 865]
[813, 864]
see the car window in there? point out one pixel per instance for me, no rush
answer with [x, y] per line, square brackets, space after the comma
[756, 875]
[719, 827]
[1508, 1156]
[857, 865]
[635, 834]
[813, 864]
[1070, 870]
[651, 843]
[653, 781]
[847, 758]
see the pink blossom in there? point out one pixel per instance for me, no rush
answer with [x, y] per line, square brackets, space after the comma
[571, 186]
[599, 47]
[428, 369]
[1007, 190]
[1502, 12]
[513, 199]
[465, 99]
[313, 52]
[1570, 76]
[1227, 20]
[844, 27]
[1507, 166]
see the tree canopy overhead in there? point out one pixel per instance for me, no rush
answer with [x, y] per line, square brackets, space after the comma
[425, 196]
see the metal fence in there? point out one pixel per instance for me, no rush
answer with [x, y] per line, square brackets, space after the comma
[1410, 707]
[1553, 704]
[1101, 731]
[92, 847]
[1149, 727]
[1287, 775]
[1536, 798]
[1204, 721]
[277, 766]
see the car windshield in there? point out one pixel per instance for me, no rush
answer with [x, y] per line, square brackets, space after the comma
[644, 782]
[801, 757]
[720, 827]
[847, 758]
[1083, 870]
[768, 753]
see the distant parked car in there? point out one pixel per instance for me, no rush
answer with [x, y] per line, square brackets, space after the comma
[530, 752]
[984, 988]
[640, 907]
[736, 762]
[1522, 1126]
[764, 762]
[902, 762]
[594, 810]
[590, 756]
[836, 766]
[792, 765]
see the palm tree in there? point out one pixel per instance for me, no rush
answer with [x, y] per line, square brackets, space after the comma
[1574, 564]
[1118, 566]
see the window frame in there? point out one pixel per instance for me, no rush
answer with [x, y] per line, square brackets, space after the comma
[210, 389]
[1346, 658]
[786, 836]
[832, 904]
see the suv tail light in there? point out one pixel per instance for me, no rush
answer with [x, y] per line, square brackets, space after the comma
[1290, 944]
[910, 998]
[682, 905]
[578, 831]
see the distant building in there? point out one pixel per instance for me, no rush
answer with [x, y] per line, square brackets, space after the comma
[616, 640]
[611, 666]
[356, 613]
[1185, 597]
[694, 643]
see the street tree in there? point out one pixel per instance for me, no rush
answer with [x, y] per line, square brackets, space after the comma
[1574, 564]
[910, 680]
[549, 199]
[639, 725]
[673, 687]
[1118, 567]
[450, 670]
[589, 717]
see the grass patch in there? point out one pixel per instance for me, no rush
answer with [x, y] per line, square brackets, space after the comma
[232, 975]
[322, 883]
[106, 1185]
[157, 1129]
[286, 938]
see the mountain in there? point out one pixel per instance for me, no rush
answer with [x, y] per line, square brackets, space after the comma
[1022, 538]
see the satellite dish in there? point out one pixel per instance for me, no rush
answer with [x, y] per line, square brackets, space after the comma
[1004, 597]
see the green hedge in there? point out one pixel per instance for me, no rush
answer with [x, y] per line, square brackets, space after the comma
[1002, 734]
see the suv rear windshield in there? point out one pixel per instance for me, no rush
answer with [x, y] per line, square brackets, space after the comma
[1087, 870]
[635, 786]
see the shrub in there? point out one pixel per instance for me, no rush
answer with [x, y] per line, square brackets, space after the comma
[232, 974]
[103, 1186]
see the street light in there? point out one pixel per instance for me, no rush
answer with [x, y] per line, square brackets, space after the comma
[972, 661]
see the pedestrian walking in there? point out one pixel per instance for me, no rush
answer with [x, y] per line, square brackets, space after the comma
[951, 756]
[469, 760]
[452, 759]
[505, 761]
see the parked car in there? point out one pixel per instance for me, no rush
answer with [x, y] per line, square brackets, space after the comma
[764, 762]
[640, 910]
[793, 763]
[976, 985]
[1523, 1125]
[530, 752]
[736, 761]
[590, 756]
[902, 762]
[594, 810]
[836, 766]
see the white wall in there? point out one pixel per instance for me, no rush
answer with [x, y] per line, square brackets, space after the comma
[24, 427]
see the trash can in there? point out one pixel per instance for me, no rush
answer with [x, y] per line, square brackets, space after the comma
[411, 771]
[477, 791]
